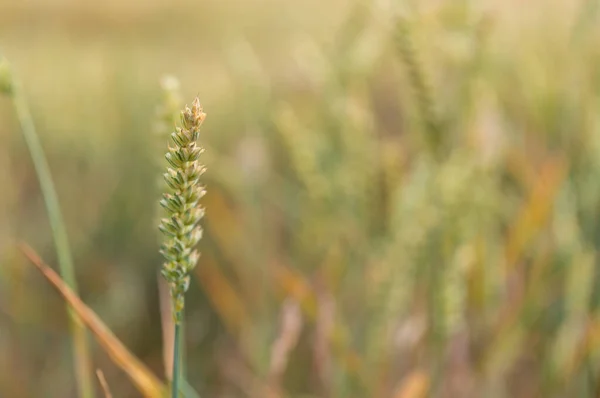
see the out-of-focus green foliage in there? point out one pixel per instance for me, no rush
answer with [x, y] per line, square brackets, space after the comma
[403, 197]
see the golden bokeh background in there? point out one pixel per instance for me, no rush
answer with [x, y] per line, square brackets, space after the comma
[403, 197]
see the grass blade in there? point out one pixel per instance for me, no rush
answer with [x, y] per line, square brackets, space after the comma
[81, 350]
[104, 384]
[146, 382]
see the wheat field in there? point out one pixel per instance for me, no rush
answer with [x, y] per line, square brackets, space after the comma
[403, 198]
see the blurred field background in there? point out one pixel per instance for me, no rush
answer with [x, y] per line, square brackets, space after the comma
[403, 197]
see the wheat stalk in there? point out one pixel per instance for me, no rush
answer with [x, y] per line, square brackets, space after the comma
[181, 226]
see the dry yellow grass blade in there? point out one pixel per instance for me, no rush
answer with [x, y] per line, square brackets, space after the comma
[414, 385]
[103, 383]
[290, 328]
[146, 382]
[223, 225]
[507, 327]
[589, 344]
[536, 211]
[224, 298]
[292, 283]
[521, 168]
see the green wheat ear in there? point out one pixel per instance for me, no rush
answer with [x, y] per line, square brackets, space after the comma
[182, 204]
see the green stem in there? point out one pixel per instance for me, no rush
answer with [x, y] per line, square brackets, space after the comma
[81, 350]
[182, 361]
[176, 360]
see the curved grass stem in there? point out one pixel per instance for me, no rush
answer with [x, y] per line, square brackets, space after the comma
[81, 351]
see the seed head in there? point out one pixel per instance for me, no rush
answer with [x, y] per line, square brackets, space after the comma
[182, 204]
